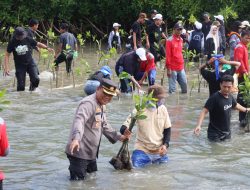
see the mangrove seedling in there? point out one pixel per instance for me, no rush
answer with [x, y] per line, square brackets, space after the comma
[245, 91]
[142, 101]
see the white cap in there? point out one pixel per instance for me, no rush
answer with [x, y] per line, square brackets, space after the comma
[141, 52]
[158, 16]
[245, 23]
[220, 17]
[198, 25]
[116, 25]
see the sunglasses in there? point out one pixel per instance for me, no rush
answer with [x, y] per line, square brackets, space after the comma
[179, 29]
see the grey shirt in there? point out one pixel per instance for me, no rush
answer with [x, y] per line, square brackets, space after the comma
[69, 39]
[89, 124]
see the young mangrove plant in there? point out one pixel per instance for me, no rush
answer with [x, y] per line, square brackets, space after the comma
[245, 91]
[142, 101]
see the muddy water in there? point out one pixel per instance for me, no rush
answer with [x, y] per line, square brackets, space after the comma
[39, 124]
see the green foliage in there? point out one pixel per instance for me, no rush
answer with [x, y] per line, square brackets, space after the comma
[83, 68]
[80, 39]
[124, 75]
[143, 101]
[105, 57]
[3, 101]
[228, 12]
[245, 90]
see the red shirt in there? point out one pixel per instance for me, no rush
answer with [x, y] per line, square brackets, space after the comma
[4, 145]
[241, 55]
[149, 64]
[174, 57]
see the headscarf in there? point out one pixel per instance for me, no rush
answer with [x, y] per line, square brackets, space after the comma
[214, 37]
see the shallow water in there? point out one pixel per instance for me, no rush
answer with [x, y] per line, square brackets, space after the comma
[38, 129]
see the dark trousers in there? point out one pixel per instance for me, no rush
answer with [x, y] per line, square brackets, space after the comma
[79, 167]
[125, 86]
[242, 115]
[65, 57]
[32, 70]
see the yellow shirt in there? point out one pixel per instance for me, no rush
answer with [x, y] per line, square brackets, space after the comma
[149, 134]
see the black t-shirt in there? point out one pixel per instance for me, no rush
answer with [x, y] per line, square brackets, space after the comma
[219, 116]
[22, 50]
[154, 33]
[210, 77]
[129, 62]
[136, 27]
[206, 28]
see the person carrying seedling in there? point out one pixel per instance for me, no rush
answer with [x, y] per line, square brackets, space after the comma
[89, 124]
[153, 133]
[67, 48]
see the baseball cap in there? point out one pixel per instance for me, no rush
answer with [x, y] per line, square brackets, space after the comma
[116, 25]
[109, 87]
[154, 11]
[178, 25]
[220, 17]
[198, 25]
[158, 16]
[20, 33]
[245, 23]
[106, 70]
[141, 52]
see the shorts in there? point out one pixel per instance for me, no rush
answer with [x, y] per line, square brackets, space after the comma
[141, 159]
[79, 167]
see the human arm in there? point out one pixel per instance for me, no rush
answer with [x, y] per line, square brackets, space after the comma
[134, 41]
[236, 64]
[241, 108]
[147, 42]
[166, 139]
[200, 120]
[43, 46]
[6, 64]
[135, 82]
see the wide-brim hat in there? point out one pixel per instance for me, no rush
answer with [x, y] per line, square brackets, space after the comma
[109, 87]
[158, 91]
[20, 33]
[116, 25]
